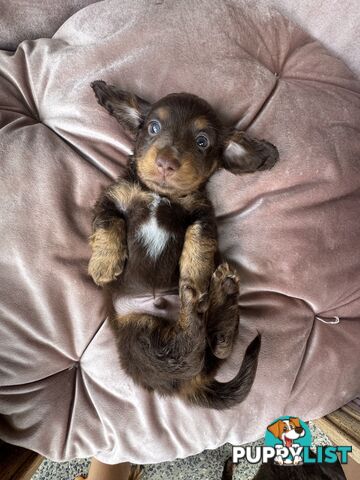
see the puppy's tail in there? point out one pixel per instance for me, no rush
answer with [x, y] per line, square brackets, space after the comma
[218, 395]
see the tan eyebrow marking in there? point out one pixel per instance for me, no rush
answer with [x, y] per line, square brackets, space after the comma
[200, 123]
[163, 113]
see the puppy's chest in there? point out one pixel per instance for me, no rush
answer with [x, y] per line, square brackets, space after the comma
[158, 227]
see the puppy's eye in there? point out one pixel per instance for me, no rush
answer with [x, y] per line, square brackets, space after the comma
[154, 127]
[202, 142]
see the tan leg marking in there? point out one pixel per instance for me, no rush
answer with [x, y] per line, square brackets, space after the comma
[136, 319]
[197, 260]
[109, 252]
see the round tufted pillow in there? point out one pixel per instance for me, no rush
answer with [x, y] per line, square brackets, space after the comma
[293, 231]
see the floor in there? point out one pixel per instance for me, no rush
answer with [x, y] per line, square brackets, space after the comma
[207, 465]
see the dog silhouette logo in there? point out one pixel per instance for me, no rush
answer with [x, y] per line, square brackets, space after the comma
[288, 441]
[291, 433]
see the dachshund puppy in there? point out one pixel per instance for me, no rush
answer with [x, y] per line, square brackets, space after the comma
[155, 230]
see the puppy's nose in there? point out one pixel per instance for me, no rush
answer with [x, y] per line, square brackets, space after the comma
[299, 430]
[167, 165]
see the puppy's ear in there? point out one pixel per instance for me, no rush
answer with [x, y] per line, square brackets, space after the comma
[244, 154]
[128, 109]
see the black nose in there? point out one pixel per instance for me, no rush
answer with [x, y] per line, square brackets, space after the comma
[299, 430]
[167, 164]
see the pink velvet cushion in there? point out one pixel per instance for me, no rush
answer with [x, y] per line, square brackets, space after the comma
[293, 231]
[30, 19]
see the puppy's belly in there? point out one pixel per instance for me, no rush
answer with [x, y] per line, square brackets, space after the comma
[146, 304]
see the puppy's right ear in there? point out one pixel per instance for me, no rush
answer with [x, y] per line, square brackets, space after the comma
[128, 109]
[245, 154]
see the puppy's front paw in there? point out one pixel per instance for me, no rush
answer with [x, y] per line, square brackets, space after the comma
[105, 269]
[108, 258]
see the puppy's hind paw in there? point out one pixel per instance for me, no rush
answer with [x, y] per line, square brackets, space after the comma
[225, 281]
[190, 296]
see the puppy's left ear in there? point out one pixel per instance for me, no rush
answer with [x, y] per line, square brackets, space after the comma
[128, 109]
[244, 154]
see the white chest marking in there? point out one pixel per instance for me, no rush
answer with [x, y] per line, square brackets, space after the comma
[151, 234]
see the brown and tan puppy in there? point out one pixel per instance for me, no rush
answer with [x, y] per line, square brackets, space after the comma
[155, 230]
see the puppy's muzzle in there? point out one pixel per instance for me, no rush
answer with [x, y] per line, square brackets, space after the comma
[167, 164]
